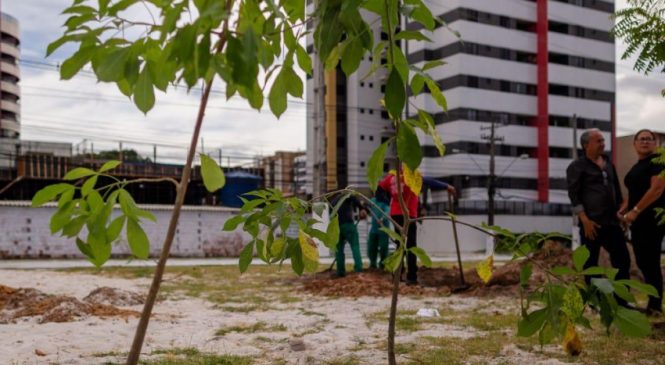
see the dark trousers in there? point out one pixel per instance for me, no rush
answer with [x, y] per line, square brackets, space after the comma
[646, 239]
[611, 238]
[411, 260]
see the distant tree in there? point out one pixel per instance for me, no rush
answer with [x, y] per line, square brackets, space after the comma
[127, 156]
[642, 27]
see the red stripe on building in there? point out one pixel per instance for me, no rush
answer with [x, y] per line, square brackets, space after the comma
[543, 107]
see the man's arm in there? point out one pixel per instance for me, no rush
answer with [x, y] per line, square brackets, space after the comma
[574, 181]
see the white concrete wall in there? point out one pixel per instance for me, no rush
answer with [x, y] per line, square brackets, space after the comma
[25, 233]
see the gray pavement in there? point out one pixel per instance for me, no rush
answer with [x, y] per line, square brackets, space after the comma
[79, 263]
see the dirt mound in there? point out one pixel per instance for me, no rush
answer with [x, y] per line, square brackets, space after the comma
[28, 302]
[437, 281]
[115, 297]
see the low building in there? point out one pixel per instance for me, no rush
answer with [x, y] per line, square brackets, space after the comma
[280, 171]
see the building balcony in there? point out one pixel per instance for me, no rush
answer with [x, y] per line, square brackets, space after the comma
[11, 88]
[11, 69]
[11, 50]
[10, 106]
[10, 125]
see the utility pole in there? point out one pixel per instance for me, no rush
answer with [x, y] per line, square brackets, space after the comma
[491, 180]
[154, 154]
[120, 152]
[220, 157]
[319, 120]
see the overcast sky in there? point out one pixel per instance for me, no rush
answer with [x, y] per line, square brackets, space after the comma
[79, 109]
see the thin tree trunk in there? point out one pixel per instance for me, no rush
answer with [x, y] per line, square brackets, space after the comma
[393, 315]
[139, 336]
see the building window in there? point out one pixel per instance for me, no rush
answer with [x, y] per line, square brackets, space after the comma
[371, 138]
[371, 111]
[362, 163]
[362, 84]
[362, 111]
[371, 85]
[362, 137]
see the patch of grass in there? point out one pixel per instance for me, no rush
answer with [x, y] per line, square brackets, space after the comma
[256, 327]
[239, 309]
[109, 354]
[185, 351]
[306, 312]
[346, 360]
[192, 356]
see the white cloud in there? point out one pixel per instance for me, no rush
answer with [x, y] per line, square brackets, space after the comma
[81, 108]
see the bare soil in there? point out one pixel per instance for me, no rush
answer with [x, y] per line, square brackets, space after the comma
[28, 302]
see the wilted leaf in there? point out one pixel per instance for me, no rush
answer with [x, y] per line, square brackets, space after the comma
[310, 252]
[484, 269]
[573, 305]
[571, 341]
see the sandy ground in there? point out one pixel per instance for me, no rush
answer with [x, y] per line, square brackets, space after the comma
[328, 327]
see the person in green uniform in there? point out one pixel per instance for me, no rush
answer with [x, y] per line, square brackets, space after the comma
[378, 240]
[348, 232]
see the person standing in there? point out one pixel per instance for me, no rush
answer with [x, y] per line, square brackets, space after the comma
[348, 232]
[645, 184]
[389, 183]
[378, 240]
[595, 194]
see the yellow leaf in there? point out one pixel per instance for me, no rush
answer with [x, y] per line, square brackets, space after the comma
[571, 341]
[413, 179]
[484, 269]
[310, 252]
[277, 247]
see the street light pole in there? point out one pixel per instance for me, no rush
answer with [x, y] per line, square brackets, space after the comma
[491, 181]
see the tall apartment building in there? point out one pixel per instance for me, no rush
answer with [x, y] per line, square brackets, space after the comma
[10, 109]
[283, 171]
[532, 68]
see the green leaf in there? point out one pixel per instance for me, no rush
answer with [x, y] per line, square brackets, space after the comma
[73, 228]
[212, 174]
[277, 96]
[84, 248]
[144, 94]
[49, 193]
[114, 229]
[353, 54]
[292, 82]
[391, 263]
[375, 165]
[437, 95]
[99, 247]
[632, 323]
[595, 270]
[77, 173]
[246, 257]
[532, 323]
[88, 185]
[277, 247]
[422, 256]
[417, 83]
[433, 64]
[623, 292]
[53, 46]
[75, 63]
[137, 239]
[303, 59]
[232, 223]
[602, 284]
[110, 165]
[525, 274]
[412, 35]
[644, 288]
[580, 257]
[395, 98]
[146, 214]
[392, 234]
[332, 233]
[408, 146]
[112, 66]
[61, 217]
[297, 263]
[127, 204]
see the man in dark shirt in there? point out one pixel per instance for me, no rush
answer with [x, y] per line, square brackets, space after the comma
[348, 232]
[594, 191]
